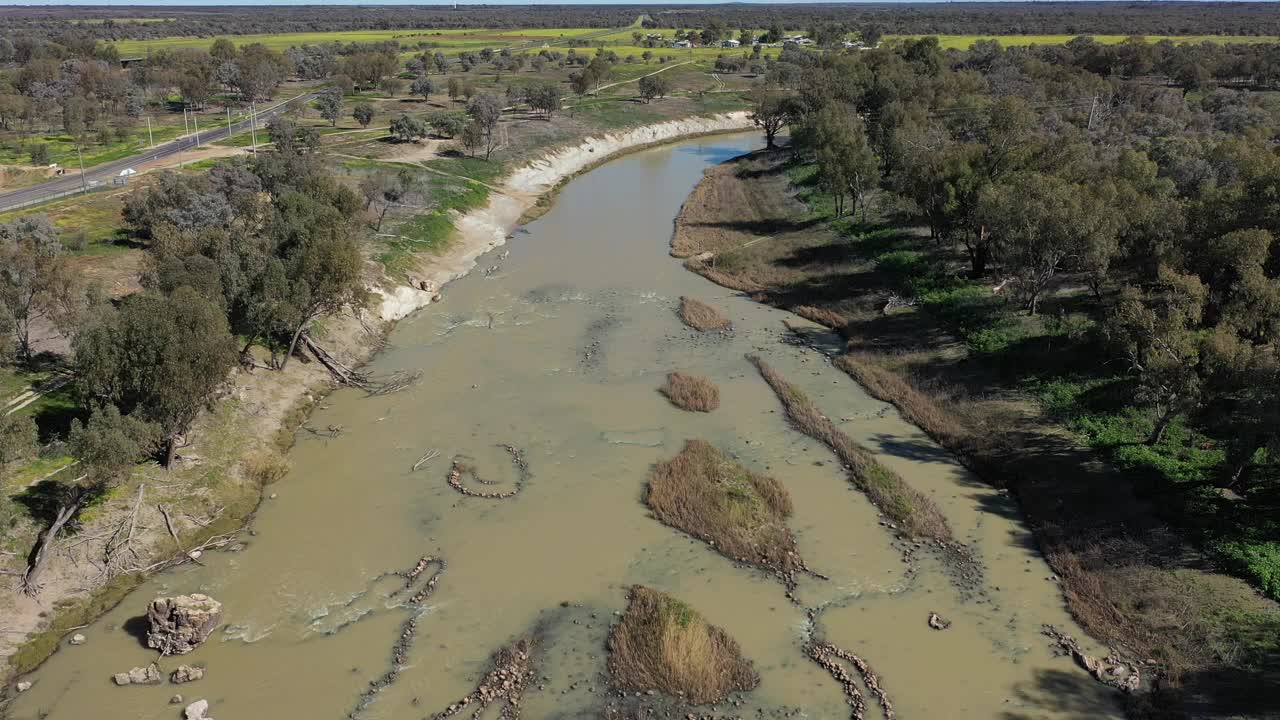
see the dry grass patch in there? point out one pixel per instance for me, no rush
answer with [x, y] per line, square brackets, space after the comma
[265, 467]
[701, 316]
[663, 644]
[691, 392]
[743, 514]
[912, 510]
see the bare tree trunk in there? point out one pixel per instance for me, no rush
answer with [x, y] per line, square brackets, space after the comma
[1157, 433]
[40, 561]
[293, 343]
[170, 449]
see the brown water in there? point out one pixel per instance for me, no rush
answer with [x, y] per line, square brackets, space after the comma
[559, 353]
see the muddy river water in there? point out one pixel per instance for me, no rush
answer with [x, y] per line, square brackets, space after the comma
[559, 352]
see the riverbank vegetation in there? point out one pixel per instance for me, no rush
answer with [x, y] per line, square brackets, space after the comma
[742, 514]
[1078, 299]
[663, 644]
[702, 317]
[908, 508]
[691, 392]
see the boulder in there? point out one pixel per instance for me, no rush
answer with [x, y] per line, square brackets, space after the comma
[24, 686]
[186, 674]
[937, 622]
[179, 624]
[77, 639]
[197, 710]
[149, 675]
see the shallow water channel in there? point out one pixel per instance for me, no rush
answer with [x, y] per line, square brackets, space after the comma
[559, 353]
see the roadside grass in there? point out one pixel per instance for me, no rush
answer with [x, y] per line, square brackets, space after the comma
[664, 644]
[691, 392]
[742, 514]
[702, 317]
[88, 223]
[908, 508]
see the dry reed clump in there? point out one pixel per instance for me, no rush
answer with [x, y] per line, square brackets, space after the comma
[265, 467]
[944, 426]
[691, 392]
[823, 316]
[913, 511]
[663, 644]
[701, 316]
[743, 514]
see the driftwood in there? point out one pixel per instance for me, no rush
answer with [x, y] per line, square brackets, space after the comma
[120, 543]
[344, 375]
[426, 458]
[68, 510]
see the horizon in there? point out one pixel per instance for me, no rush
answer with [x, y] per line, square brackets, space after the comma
[552, 3]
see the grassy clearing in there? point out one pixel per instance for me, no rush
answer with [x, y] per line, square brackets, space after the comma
[446, 40]
[701, 316]
[663, 644]
[701, 491]
[691, 392]
[910, 509]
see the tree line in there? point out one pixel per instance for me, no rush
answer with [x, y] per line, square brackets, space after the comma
[1041, 164]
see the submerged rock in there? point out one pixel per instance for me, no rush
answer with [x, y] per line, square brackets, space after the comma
[179, 624]
[937, 622]
[77, 639]
[149, 675]
[186, 674]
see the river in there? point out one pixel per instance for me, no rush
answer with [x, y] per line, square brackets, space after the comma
[559, 352]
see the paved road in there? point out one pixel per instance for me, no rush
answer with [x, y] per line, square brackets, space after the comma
[100, 174]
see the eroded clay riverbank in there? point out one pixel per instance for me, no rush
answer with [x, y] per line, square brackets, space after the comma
[559, 353]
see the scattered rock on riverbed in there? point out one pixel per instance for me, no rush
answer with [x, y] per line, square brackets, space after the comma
[179, 624]
[24, 686]
[937, 622]
[186, 674]
[197, 710]
[149, 675]
[77, 639]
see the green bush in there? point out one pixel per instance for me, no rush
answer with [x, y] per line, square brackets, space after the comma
[1257, 562]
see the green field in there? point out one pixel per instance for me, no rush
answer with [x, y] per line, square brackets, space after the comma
[447, 40]
[452, 41]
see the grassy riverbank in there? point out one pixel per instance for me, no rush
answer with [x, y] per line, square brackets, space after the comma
[1118, 526]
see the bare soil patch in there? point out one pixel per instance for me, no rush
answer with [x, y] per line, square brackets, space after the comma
[691, 392]
[663, 644]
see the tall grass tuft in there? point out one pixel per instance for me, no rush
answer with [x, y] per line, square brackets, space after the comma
[663, 644]
[701, 491]
[691, 392]
[701, 316]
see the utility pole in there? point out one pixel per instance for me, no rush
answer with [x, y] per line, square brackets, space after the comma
[186, 126]
[228, 122]
[1092, 108]
[150, 138]
[196, 121]
[253, 126]
[84, 185]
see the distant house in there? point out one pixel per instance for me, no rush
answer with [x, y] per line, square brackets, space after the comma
[730, 44]
[653, 36]
[681, 44]
[126, 62]
[804, 41]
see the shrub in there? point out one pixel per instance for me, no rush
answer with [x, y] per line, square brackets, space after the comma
[691, 392]
[1258, 562]
[701, 316]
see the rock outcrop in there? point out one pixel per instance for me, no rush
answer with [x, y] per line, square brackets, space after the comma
[197, 710]
[179, 624]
